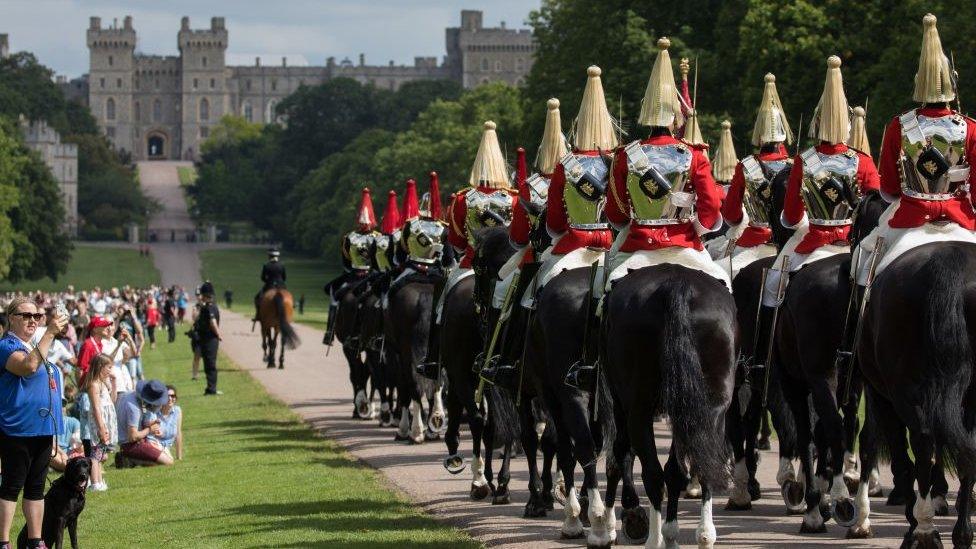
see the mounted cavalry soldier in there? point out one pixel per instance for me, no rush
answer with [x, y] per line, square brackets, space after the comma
[384, 246]
[662, 196]
[747, 204]
[925, 167]
[529, 235]
[825, 185]
[488, 202]
[272, 275]
[723, 170]
[424, 234]
[357, 259]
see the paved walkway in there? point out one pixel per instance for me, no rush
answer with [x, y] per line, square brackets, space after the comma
[317, 388]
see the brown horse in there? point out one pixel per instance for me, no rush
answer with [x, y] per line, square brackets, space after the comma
[275, 313]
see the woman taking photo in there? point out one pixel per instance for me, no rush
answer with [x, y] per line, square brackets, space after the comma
[30, 415]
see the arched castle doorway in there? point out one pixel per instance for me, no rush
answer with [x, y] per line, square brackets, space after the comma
[156, 146]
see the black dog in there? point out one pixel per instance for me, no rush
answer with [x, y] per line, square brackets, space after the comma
[63, 503]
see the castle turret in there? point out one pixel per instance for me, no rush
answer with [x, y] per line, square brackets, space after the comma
[202, 58]
[111, 67]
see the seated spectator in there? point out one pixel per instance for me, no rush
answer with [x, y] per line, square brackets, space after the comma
[137, 421]
[171, 424]
[69, 440]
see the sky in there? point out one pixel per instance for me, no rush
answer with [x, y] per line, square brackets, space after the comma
[384, 30]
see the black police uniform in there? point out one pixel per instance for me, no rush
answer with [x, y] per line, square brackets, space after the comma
[208, 343]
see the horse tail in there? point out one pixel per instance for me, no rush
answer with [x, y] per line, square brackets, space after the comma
[686, 399]
[505, 416]
[604, 416]
[288, 336]
[949, 365]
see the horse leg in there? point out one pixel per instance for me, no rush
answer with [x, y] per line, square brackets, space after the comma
[633, 517]
[530, 444]
[940, 486]
[831, 434]
[674, 481]
[549, 443]
[813, 520]
[962, 533]
[642, 436]
[454, 463]
[752, 425]
[868, 450]
[476, 423]
[572, 527]
[281, 356]
[851, 426]
[924, 532]
[435, 421]
[739, 498]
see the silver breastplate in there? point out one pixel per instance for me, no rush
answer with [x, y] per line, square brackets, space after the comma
[757, 195]
[829, 187]
[360, 246]
[657, 181]
[383, 244]
[933, 161]
[425, 240]
[486, 210]
[538, 186]
[586, 187]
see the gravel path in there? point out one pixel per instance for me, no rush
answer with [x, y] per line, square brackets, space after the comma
[317, 388]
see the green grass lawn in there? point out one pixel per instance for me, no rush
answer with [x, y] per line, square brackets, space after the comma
[253, 475]
[240, 270]
[92, 266]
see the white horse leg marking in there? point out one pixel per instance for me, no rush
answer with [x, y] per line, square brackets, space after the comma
[572, 526]
[436, 421]
[924, 513]
[838, 491]
[851, 470]
[670, 532]
[705, 533]
[478, 472]
[404, 427]
[694, 488]
[655, 537]
[740, 484]
[599, 527]
[863, 503]
[786, 471]
[416, 428]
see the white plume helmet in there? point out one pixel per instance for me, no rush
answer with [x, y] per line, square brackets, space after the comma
[553, 146]
[693, 133]
[771, 125]
[723, 168]
[933, 81]
[594, 128]
[859, 134]
[832, 118]
[489, 168]
[661, 105]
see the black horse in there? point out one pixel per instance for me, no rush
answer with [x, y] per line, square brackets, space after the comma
[464, 319]
[670, 341]
[347, 331]
[916, 353]
[379, 363]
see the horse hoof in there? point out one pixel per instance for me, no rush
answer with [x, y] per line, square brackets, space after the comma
[436, 422]
[271, 365]
[755, 492]
[896, 497]
[793, 493]
[584, 514]
[807, 529]
[548, 501]
[400, 438]
[571, 530]
[763, 444]
[501, 496]
[852, 484]
[559, 494]
[922, 540]
[844, 512]
[825, 509]
[940, 506]
[430, 435]
[454, 464]
[479, 493]
[732, 505]
[534, 508]
[385, 419]
[634, 524]
[962, 536]
[876, 491]
[281, 366]
[860, 532]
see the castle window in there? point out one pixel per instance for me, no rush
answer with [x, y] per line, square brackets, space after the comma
[520, 64]
[196, 83]
[137, 111]
[204, 61]
[269, 116]
[485, 65]
[204, 109]
[247, 111]
[247, 85]
[157, 83]
[101, 83]
[157, 113]
[213, 83]
[274, 84]
[204, 132]
[118, 83]
[110, 109]
[111, 60]
[498, 66]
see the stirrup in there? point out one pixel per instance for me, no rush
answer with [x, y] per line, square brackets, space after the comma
[430, 370]
[581, 376]
[479, 361]
[498, 374]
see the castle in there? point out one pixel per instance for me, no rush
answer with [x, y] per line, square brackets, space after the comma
[163, 107]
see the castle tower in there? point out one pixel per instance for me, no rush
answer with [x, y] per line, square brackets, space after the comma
[204, 94]
[111, 66]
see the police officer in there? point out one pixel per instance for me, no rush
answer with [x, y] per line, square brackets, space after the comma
[207, 327]
[272, 275]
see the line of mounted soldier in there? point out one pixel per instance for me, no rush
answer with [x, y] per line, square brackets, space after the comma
[624, 280]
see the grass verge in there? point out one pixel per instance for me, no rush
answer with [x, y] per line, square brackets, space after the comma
[240, 270]
[92, 266]
[253, 476]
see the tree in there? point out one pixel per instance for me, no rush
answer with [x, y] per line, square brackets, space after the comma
[11, 169]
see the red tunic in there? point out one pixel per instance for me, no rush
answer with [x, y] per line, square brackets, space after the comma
[457, 234]
[707, 204]
[557, 219]
[915, 212]
[732, 206]
[793, 209]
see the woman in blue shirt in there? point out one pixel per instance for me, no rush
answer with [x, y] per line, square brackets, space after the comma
[30, 415]
[171, 424]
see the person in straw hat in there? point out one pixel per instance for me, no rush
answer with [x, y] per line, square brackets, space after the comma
[925, 165]
[357, 259]
[488, 202]
[662, 197]
[528, 235]
[747, 205]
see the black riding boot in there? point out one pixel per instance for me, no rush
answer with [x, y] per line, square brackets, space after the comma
[430, 367]
[330, 322]
[502, 369]
[257, 307]
[582, 373]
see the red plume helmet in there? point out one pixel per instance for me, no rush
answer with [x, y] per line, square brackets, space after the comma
[366, 219]
[521, 173]
[435, 197]
[411, 205]
[391, 217]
